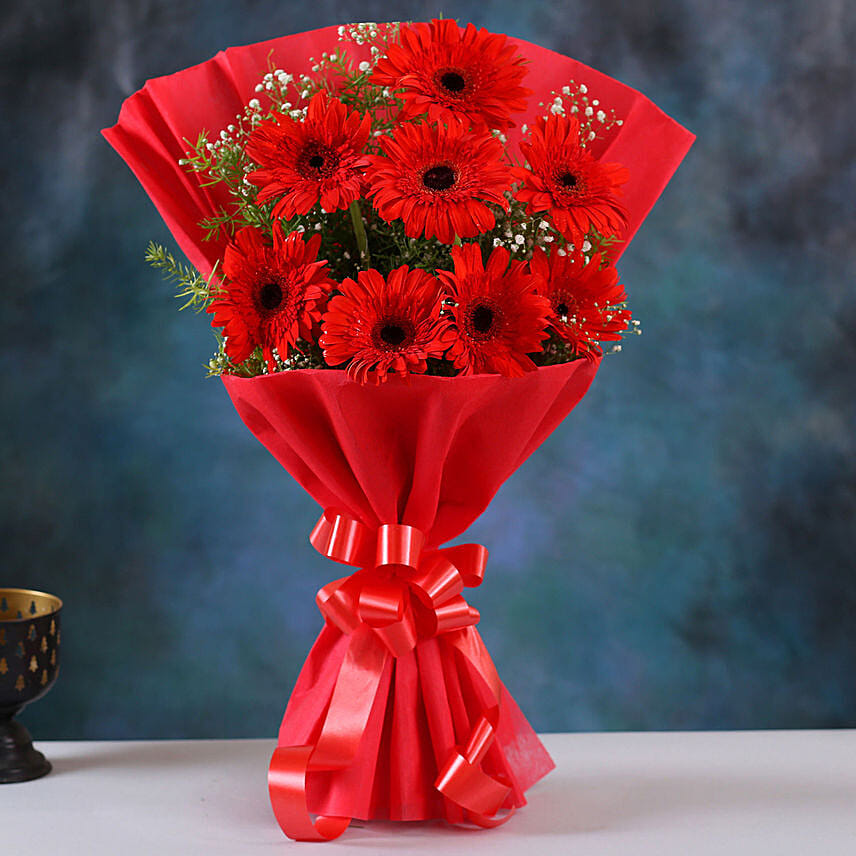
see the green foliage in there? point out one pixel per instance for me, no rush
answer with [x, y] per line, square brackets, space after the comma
[306, 355]
[191, 286]
[555, 351]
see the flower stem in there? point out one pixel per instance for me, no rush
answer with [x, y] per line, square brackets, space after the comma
[360, 232]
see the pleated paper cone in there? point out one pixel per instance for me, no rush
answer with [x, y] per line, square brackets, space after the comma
[429, 452]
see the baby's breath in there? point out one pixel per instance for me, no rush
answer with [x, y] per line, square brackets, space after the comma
[350, 81]
[573, 100]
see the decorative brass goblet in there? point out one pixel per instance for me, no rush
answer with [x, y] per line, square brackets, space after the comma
[29, 662]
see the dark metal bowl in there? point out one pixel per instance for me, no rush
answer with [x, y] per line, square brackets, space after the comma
[29, 662]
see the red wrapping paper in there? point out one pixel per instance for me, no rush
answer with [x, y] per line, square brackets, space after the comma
[427, 730]
[431, 453]
[155, 122]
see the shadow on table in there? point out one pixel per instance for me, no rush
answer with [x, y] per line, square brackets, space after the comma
[163, 755]
[616, 801]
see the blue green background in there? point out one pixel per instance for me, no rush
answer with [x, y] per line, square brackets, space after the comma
[679, 554]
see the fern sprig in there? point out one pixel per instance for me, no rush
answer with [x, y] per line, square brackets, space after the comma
[191, 286]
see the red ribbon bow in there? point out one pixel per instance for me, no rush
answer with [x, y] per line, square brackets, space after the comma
[401, 594]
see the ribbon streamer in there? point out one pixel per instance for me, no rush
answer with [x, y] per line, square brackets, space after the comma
[401, 593]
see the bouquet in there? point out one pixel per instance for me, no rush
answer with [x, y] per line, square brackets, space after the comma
[405, 237]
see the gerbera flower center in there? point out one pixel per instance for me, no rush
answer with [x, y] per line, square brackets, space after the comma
[270, 296]
[453, 81]
[439, 177]
[393, 334]
[568, 180]
[483, 319]
[317, 161]
[565, 306]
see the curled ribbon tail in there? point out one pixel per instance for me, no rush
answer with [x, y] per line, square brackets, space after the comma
[287, 787]
[462, 778]
[350, 706]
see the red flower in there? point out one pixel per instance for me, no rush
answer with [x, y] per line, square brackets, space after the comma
[497, 317]
[579, 192]
[381, 326]
[274, 295]
[438, 179]
[583, 297]
[469, 75]
[320, 158]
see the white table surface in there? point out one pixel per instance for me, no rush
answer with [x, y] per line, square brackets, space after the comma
[763, 792]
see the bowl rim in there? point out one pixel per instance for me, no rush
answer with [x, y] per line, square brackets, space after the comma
[11, 590]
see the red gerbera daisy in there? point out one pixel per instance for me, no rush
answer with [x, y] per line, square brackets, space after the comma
[320, 158]
[470, 75]
[381, 326]
[274, 294]
[583, 297]
[498, 319]
[579, 192]
[437, 179]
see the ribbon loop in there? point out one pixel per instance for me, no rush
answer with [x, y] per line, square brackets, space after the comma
[454, 615]
[381, 602]
[342, 539]
[438, 581]
[471, 559]
[287, 788]
[398, 544]
[337, 605]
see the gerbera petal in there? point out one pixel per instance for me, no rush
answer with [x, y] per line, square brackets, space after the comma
[384, 326]
[496, 316]
[270, 292]
[319, 158]
[579, 192]
[437, 179]
[459, 75]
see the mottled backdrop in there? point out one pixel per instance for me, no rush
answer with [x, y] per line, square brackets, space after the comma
[680, 554]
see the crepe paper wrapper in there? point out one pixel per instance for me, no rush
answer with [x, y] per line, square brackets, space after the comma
[155, 122]
[430, 453]
[426, 452]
